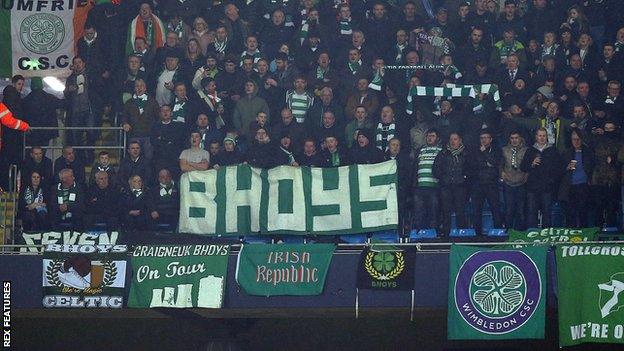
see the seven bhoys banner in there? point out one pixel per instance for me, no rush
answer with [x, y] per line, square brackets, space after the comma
[38, 36]
[283, 269]
[590, 281]
[84, 276]
[178, 276]
[496, 294]
[553, 235]
[239, 200]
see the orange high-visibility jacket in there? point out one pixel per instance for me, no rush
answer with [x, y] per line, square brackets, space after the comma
[7, 120]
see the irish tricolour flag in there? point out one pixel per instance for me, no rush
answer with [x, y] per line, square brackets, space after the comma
[38, 36]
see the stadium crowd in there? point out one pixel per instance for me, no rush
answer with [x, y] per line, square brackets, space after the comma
[205, 84]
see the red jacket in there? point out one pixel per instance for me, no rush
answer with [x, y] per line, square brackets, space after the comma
[7, 120]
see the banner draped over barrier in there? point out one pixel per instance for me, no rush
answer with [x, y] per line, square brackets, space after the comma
[178, 276]
[497, 294]
[554, 235]
[283, 269]
[84, 276]
[591, 303]
[239, 200]
[38, 37]
[68, 237]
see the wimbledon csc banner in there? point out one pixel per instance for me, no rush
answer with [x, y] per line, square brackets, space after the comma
[590, 284]
[37, 36]
[496, 294]
[239, 200]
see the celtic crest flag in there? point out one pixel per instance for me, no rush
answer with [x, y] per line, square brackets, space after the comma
[496, 294]
[590, 280]
[38, 37]
[386, 268]
[178, 276]
[84, 276]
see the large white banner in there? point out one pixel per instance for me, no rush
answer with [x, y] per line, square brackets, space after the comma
[240, 200]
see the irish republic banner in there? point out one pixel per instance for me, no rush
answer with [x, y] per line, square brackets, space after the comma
[590, 281]
[84, 276]
[38, 37]
[239, 200]
[178, 276]
[496, 294]
[283, 269]
[554, 235]
[386, 268]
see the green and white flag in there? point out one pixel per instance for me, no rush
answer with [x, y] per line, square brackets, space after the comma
[553, 235]
[454, 90]
[496, 294]
[239, 200]
[283, 269]
[488, 89]
[38, 37]
[590, 281]
[178, 276]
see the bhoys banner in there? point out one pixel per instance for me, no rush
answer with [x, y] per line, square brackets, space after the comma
[38, 36]
[239, 200]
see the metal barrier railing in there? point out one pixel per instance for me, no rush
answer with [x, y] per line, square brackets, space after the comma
[122, 139]
[421, 247]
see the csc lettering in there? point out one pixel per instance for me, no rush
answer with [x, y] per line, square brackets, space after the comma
[24, 63]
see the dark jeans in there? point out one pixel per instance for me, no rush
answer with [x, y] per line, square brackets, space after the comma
[606, 201]
[111, 222]
[426, 207]
[577, 206]
[453, 198]
[538, 202]
[490, 193]
[515, 199]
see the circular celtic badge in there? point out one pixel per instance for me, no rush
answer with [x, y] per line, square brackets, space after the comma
[496, 292]
[42, 33]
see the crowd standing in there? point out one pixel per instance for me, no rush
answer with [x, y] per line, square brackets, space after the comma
[203, 85]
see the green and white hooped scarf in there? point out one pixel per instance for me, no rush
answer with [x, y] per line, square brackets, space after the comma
[383, 134]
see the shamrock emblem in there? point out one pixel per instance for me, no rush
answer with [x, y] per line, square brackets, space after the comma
[499, 288]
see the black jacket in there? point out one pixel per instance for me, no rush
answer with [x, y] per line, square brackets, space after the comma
[129, 168]
[103, 202]
[327, 158]
[451, 170]
[486, 165]
[262, 155]
[365, 155]
[545, 177]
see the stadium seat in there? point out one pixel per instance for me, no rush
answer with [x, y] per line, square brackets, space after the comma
[462, 233]
[255, 239]
[496, 232]
[416, 235]
[390, 236]
[556, 215]
[354, 238]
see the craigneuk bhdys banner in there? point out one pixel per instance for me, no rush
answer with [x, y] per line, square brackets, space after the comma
[590, 281]
[497, 294]
[239, 200]
[38, 37]
[386, 268]
[283, 269]
[69, 237]
[178, 276]
[84, 276]
[552, 235]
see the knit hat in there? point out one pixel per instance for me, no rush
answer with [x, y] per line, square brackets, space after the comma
[546, 91]
[205, 81]
[367, 133]
[229, 139]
